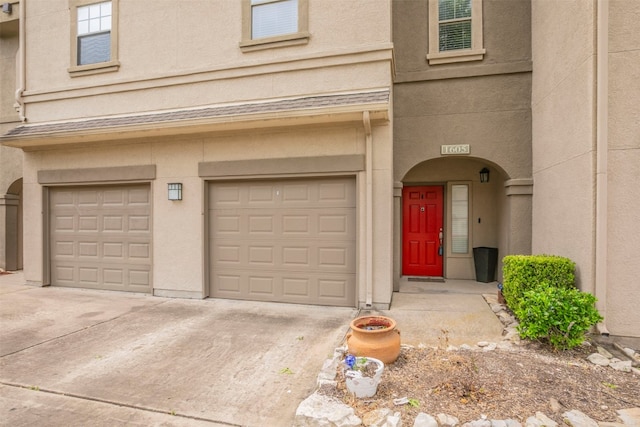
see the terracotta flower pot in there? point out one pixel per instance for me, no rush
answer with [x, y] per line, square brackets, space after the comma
[374, 336]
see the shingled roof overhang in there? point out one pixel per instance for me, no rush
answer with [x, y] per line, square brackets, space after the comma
[334, 108]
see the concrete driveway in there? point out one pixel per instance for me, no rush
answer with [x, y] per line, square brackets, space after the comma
[74, 357]
[81, 357]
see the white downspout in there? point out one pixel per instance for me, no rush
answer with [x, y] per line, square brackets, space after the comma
[369, 214]
[21, 74]
[602, 145]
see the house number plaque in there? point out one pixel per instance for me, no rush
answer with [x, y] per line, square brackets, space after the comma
[455, 149]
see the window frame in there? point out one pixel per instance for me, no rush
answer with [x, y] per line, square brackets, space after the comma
[99, 67]
[477, 51]
[302, 36]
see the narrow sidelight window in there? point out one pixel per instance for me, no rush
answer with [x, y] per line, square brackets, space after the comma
[460, 219]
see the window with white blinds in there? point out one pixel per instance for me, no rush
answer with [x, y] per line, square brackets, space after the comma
[93, 37]
[94, 33]
[454, 20]
[271, 18]
[459, 219]
[455, 31]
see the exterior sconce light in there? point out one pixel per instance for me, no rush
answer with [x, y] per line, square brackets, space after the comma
[7, 8]
[484, 175]
[175, 191]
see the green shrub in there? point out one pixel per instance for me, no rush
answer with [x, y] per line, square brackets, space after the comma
[560, 314]
[524, 272]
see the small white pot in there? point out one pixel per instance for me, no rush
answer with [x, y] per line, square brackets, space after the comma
[364, 386]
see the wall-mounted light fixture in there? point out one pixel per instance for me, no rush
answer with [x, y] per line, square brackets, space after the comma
[7, 8]
[175, 191]
[484, 175]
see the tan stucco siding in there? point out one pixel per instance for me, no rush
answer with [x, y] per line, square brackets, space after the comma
[491, 114]
[564, 135]
[201, 37]
[623, 168]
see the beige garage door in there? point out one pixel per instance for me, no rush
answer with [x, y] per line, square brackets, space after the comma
[101, 237]
[286, 240]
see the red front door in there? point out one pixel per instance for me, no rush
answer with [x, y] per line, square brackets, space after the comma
[422, 250]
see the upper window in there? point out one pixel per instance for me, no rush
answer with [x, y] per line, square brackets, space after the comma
[94, 33]
[94, 47]
[455, 31]
[273, 23]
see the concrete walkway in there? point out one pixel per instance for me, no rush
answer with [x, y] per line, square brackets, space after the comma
[82, 357]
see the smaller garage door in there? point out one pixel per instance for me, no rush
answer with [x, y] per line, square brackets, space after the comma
[285, 240]
[100, 237]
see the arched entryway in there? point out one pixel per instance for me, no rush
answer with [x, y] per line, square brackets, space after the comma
[11, 253]
[445, 208]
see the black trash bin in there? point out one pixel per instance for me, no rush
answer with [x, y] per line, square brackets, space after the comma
[485, 260]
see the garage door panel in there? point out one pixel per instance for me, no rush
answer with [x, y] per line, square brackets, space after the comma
[289, 240]
[227, 254]
[139, 223]
[261, 256]
[336, 193]
[113, 276]
[297, 287]
[260, 195]
[139, 279]
[229, 284]
[87, 198]
[88, 249]
[139, 196]
[296, 193]
[261, 285]
[225, 196]
[88, 223]
[261, 224]
[336, 288]
[64, 223]
[88, 275]
[333, 257]
[99, 240]
[64, 249]
[140, 251]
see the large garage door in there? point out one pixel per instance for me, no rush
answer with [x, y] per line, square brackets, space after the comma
[101, 237]
[286, 240]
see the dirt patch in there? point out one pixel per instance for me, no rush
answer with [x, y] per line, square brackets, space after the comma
[498, 384]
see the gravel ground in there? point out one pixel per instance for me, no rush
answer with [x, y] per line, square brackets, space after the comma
[498, 384]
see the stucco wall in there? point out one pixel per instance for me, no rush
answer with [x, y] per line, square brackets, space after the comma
[565, 141]
[489, 113]
[192, 55]
[179, 237]
[623, 168]
[563, 133]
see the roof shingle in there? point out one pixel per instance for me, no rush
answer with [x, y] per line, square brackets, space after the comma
[304, 103]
